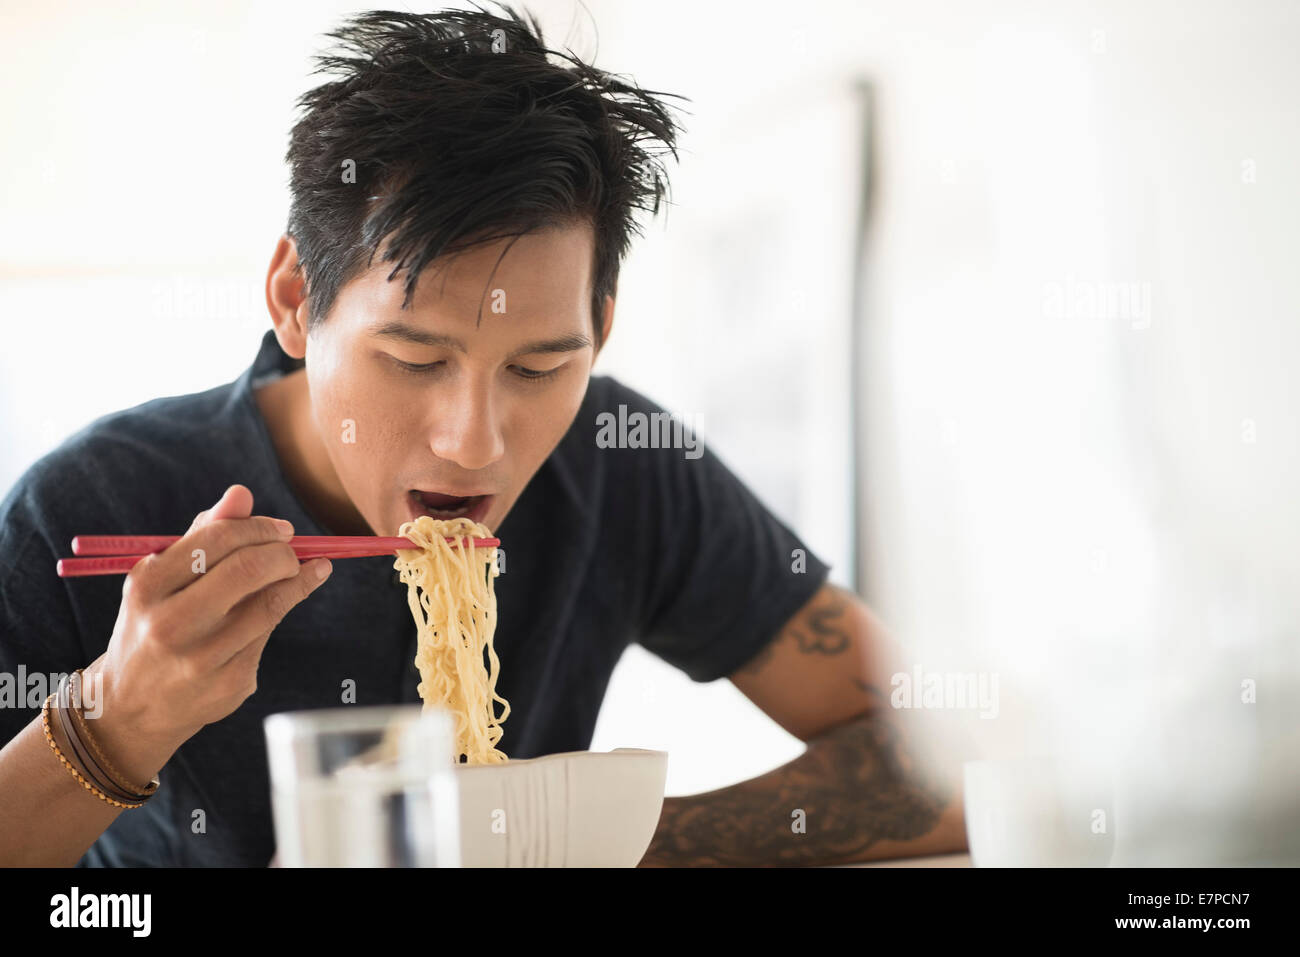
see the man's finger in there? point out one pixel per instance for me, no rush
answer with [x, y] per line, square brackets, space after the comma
[253, 619]
[150, 576]
[206, 552]
[203, 600]
[235, 502]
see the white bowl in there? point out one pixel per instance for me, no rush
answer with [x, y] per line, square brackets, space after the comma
[574, 809]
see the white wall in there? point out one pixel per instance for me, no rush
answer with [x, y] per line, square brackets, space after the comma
[1087, 495]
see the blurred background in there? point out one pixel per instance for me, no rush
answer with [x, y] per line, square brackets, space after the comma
[994, 304]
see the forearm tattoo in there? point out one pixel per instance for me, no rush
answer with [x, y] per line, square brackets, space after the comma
[854, 786]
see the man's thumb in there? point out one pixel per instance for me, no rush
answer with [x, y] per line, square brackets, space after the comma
[237, 502]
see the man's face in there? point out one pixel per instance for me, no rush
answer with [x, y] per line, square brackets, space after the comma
[423, 411]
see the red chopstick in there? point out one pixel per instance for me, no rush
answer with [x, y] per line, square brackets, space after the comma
[137, 544]
[118, 554]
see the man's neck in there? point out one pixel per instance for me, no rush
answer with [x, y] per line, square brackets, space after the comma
[286, 409]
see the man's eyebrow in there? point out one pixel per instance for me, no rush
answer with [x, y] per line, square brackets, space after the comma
[569, 343]
[396, 329]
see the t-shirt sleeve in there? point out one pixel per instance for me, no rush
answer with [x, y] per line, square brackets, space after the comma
[721, 575]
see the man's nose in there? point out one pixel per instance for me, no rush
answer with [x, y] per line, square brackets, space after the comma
[467, 431]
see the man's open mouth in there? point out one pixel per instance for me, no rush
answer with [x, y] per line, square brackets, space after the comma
[440, 505]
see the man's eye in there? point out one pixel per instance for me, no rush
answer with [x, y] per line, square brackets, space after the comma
[412, 367]
[535, 374]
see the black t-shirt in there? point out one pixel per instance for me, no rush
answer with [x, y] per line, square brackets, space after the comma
[605, 546]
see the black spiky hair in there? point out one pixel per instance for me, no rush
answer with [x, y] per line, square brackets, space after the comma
[462, 130]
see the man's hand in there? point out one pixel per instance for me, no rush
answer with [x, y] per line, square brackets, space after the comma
[191, 628]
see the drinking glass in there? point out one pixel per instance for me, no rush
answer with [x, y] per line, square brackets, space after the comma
[364, 787]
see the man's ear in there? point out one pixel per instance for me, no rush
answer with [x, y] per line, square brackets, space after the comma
[285, 299]
[606, 322]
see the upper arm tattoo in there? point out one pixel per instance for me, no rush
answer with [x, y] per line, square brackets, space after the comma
[819, 629]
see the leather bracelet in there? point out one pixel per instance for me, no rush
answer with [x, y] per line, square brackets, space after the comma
[106, 768]
[87, 765]
[79, 756]
[49, 738]
[97, 775]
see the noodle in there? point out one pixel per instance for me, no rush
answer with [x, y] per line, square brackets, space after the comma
[455, 608]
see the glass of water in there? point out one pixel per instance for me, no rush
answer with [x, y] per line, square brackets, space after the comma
[364, 787]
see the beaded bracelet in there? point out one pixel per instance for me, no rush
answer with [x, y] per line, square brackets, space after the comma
[45, 726]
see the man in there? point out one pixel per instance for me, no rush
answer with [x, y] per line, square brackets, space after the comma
[460, 207]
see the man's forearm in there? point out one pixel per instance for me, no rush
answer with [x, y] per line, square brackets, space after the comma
[857, 793]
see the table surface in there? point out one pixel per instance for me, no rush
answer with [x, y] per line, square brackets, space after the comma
[936, 860]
